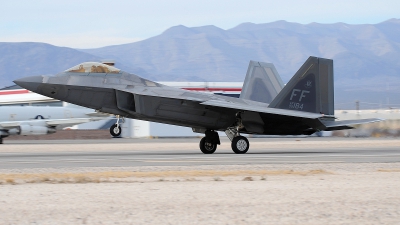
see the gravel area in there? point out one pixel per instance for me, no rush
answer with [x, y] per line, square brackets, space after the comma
[356, 193]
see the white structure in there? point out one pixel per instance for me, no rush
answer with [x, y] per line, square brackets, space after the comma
[144, 129]
[387, 114]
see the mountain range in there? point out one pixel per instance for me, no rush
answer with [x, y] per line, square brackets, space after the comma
[366, 56]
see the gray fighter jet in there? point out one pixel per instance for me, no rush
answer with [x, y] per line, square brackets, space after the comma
[303, 107]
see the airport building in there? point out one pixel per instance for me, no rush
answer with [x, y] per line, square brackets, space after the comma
[17, 96]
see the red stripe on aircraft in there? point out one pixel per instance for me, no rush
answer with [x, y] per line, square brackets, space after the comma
[11, 92]
[213, 89]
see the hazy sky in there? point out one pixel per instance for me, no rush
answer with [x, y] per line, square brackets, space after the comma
[97, 23]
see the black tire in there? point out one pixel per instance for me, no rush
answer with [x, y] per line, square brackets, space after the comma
[115, 130]
[207, 147]
[1, 140]
[240, 145]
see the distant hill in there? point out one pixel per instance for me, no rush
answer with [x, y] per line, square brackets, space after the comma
[213, 54]
[366, 57]
[28, 59]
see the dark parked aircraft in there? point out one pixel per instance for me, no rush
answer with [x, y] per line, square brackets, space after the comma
[303, 107]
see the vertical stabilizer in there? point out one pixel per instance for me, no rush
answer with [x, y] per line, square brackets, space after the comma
[310, 89]
[262, 82]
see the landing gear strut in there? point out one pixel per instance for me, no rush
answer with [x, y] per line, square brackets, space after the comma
[240, 144]
[115, 130]
[208, 144]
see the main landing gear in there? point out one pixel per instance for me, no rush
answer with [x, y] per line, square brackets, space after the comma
[208, 144]
[240, 144]
[115, 130]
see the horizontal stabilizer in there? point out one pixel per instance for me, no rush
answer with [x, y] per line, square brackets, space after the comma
[347, 124]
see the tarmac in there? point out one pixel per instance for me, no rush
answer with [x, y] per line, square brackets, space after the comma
[310, 180]
[117, 152]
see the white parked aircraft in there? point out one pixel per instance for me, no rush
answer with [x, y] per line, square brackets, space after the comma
[39, 120]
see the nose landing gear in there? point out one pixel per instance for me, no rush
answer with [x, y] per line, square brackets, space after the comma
[115, 130]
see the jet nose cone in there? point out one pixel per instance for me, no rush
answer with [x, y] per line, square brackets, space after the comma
[30, 83]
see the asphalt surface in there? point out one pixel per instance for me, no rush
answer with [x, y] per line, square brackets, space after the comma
[185, 152]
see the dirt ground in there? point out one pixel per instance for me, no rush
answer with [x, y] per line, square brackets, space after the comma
[356, 193]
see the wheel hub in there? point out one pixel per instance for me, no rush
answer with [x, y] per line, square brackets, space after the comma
[116, 130]
[241, 145]
[208, 146]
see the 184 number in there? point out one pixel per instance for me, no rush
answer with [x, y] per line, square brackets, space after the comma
[295, 105]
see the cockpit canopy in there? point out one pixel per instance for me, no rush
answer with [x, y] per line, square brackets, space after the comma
[93, 67]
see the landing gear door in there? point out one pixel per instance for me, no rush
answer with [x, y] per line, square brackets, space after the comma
[252, 122]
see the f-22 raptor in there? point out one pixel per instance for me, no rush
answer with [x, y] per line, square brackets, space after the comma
[305, 105]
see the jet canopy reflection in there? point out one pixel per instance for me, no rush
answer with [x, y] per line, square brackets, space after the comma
[93, 67]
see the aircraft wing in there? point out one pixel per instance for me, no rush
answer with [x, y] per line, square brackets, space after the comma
[10, 124]
[71, 121]
[284, 112]
[47, 122]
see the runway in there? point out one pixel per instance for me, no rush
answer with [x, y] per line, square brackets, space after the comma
[185, 152]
